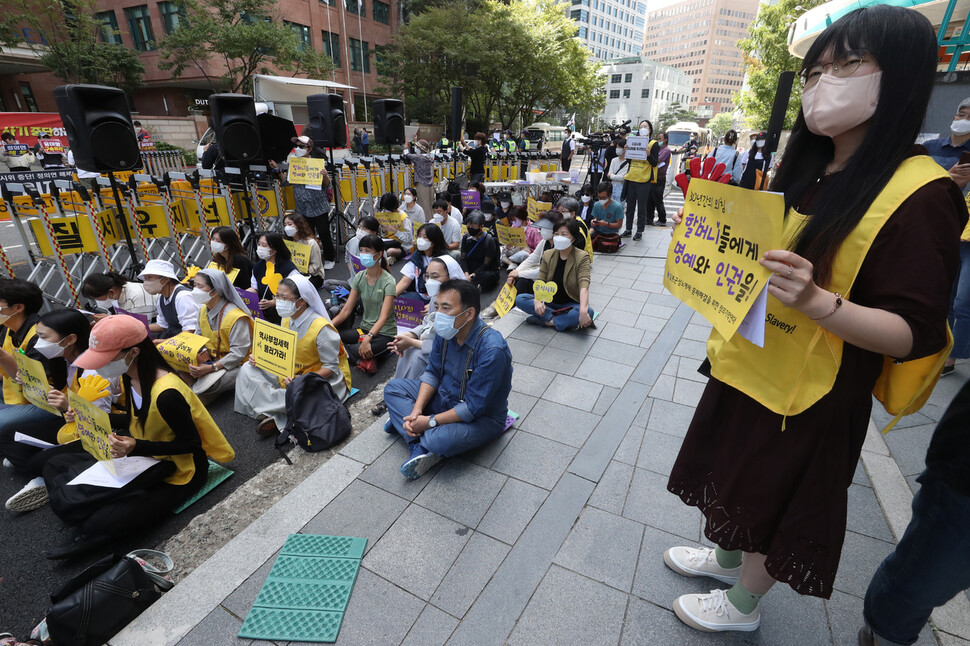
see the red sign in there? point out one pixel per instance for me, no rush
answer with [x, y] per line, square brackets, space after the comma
[25, 126]
[146, 144]
[51, 146]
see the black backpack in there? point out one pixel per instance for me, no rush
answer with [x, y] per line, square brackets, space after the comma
[316, 419]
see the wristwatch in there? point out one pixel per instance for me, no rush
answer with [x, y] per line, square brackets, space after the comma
[432, 422]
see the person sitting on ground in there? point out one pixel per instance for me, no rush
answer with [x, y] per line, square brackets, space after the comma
[164, 420]
[411, 208]
[450, 228]
[567, 266]
[111, 290]
[62, 335]
[229, 256]
[176, 312]
[461, 400]
[607, 218]
[570, 208]
[431, 244]
[504, 199]
[480, 187]
[527, 272]
[375, 289]
[453, 212]
[488, 211]
[260, 394]
[297, 229]
[480, 253]
[587, 201]
[397, 242]
[225, 320]
[368, 226]
[519, 219]
[272, 251]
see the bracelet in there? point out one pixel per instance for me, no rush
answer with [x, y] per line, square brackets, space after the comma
[837, 305]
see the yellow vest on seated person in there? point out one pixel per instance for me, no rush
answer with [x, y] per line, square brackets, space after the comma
[214, 443]
[800, 359]
[307, 356]
[218, 344]
[13, 393]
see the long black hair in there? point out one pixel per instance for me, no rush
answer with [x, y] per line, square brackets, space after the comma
[97, 285]
[903, 44]
[150, 361]
[275, 241]
[437, 239]
[228, 237]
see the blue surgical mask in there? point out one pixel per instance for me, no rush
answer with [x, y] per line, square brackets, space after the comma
[367, 260]
[444, 325]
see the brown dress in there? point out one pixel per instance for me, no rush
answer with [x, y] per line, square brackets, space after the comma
[784, 493]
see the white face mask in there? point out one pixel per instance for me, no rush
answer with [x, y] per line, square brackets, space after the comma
[605, 202]
[49, 349]
[200, 296]
[432, 286]
[437, 218]
[290, 230]
[114, 369]
[960, 127]
[360, 234]
[488, 217]
[285, 309]
[408, 199]
[585, 199]
[153, 287]
[644, 132]
[299, 152]
[217, 247]
[546, 234]
[423, 244]
[506, 205]
[264, 252]
[105, 303]
[561, 242]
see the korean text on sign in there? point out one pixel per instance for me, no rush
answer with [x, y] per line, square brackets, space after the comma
[182, 350]
[94, 427]
[308, 172]
[34, 382]
[274, 348]
[712, 262]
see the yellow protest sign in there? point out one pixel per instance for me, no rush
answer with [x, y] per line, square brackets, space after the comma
[712, 262]
[505, 300]
[299, 254]
[274, 348]
[182, 350]
[75, 234]
[271, 278]
[544, 291]
[92, 388]
[186, 216]
[265, 207]
[394, 219]
[152, 222]
[33, 379]
[535, 208]
[512, 236]
[94, 428]
[306, 171]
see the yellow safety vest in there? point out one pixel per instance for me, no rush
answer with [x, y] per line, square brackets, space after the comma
[218, 344]
[589, 239]
[800, 359]
[642, 171]
[13, 393]
[231, 275]
[214, 443]
[307, 356]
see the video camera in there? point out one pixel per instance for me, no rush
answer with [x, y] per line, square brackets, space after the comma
[607, 136]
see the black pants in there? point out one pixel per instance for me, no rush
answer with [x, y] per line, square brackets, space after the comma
[35, 466]
[566, 161]
[594, 180]
[485, 280]
[350, 338]
[321, 224]
[20, 454]
[524, 285]
[657, 202]
[637, 201]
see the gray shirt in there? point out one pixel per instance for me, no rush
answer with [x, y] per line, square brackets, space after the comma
[423, 174]
[328, 349]
[240, 336]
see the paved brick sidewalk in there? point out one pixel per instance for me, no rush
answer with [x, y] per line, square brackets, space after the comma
[554, 534]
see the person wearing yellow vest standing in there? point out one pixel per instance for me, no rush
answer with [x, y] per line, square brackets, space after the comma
[20, 301]
[224, 318]
[868, 258]
[164, 420]
[260, 394]
[641, 176]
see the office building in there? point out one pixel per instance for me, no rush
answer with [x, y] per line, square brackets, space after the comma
[610, 28]
[638, 88]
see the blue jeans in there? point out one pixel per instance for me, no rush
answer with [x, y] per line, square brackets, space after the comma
[29, 420]
[444, 439]
[959, 317]
[930, 566]
[565, 321]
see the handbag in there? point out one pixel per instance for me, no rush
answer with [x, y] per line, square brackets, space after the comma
[96, 604]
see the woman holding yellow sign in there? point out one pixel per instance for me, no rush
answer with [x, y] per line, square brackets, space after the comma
[274, 265]
[297, 230]
[864, 273]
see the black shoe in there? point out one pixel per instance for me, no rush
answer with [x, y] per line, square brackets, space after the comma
[82, 543]
[379, 410]
[659, 224]
[638, 236]
[626, 234]
[947, 370]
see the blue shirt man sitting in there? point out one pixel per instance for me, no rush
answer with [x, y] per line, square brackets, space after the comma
[462, 399]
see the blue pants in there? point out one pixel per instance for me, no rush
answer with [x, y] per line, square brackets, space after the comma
[565, 321]
[930, 566]
[959, 318]
[29, 420]
[446, 439]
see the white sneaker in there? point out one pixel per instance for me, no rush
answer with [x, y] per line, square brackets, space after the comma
[7, 464]
[699, 561]
[714, 612]
[33, 496]
[328, 265]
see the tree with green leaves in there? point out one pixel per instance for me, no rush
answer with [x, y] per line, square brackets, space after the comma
[78, 48]
[721, 123]
[229, 41]
[766, 56]
[674, 113]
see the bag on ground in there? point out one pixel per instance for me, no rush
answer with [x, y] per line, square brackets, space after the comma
[316, 418]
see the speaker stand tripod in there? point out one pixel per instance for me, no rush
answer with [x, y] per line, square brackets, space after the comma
[136, 266]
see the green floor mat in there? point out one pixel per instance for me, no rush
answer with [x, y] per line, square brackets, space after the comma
[307, 591]
[217, 475]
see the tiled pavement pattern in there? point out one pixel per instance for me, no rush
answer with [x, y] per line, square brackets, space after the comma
[554, 534]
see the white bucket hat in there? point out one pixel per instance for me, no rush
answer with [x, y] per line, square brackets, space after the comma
[159, 268]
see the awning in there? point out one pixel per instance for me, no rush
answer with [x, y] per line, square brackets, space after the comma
[291, 90]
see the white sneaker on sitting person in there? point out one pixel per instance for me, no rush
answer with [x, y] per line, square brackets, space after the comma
[32, 496]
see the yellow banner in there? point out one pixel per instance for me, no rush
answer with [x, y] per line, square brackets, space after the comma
[182, 350]
[300, 253]
[33, 379]
[393, 219]
[152, 222]
[712, 262]
[266, 206]
[75, 234]
[274, 348]
[505, 300]
[186, 216]
[94, 428]
[216, 212]
[306, 171]
[535, 208]
[512, 236]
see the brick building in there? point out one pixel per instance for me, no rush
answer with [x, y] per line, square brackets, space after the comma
[700, 37]
[350, 31]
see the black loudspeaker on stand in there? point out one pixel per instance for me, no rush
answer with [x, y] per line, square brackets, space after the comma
[389, 122]
[102, 138]
[327, 127]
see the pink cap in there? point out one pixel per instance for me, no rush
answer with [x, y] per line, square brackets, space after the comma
[108, 336]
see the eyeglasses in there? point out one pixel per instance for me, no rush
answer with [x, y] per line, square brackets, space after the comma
[842, 68]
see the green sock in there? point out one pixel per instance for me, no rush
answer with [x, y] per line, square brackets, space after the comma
[743, 599]
[728, 559]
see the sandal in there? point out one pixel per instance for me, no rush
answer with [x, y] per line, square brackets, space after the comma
[368, 365]
[379, 410]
